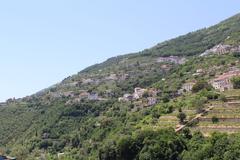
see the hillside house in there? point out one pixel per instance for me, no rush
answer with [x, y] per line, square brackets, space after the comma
[60, 155]
[235, 49]
[11, 158]
[150, 98]
[126, 97]
[112, 77]
[165, 67]
[198, 72]
[55, 94]
[11, 100]
[87, 81]
[109, 93]
[120, 99]
[188, 86]
[233, 69]
[7, 158]
[123, 77]
[69, 94]
[72, 84]
[138, 92]
[84, 95]
[151, 101]
[27, 98]
[172, 59]
[93, 96]
[138, 105]
[152, 92]
[221, 49]
[223, 82]
[2, 104]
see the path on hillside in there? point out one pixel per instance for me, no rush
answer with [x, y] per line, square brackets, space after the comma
[181, 127]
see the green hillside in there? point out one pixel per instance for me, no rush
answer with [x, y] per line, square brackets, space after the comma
[128, 107]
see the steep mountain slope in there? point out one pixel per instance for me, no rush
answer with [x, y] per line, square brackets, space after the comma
[82, 116]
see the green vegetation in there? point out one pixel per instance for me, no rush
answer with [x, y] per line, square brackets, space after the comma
[168, 145]
[181, 116]
[164, 144]
[236, 82]
[200, 85]
[218, 146]
[83, 118]
[215, 119]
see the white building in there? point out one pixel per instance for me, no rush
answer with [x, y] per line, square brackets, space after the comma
[188, 86]
[223, 82]
[138, 92]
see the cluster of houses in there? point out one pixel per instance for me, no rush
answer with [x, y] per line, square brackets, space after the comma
[221, 49]
[96, 81]
[77, 96]
[172, 59]
[221, 82]
[81, 94]
[141, 96]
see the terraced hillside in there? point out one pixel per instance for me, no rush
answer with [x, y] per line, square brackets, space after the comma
[217, 116]
[224, 117]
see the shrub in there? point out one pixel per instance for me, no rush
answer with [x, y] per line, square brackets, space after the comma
[215, 119]
[200, 85]
[236, 82]
[223, 98]
[181, 116]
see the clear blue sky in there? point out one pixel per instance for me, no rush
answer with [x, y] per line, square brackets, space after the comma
[44, 41]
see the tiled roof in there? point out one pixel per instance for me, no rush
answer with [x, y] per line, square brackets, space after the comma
[227, 75]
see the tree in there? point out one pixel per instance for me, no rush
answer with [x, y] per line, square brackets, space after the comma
[186, 133]
[181, 116]
[127, 148]
[166, 98]
[108, 152]
[236, 54]
[236, 82]
[223, 98]
[215, 119]
[145, 95]
[200, 85]
[44, 144]
[198, 103]
[146, 145]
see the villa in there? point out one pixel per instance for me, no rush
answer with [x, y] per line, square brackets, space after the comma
[223, 82]
[188, 86]
[138, 92]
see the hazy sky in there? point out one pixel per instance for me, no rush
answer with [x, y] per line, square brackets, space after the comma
[44, 41]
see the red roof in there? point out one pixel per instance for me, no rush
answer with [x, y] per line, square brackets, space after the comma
[228, 75]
